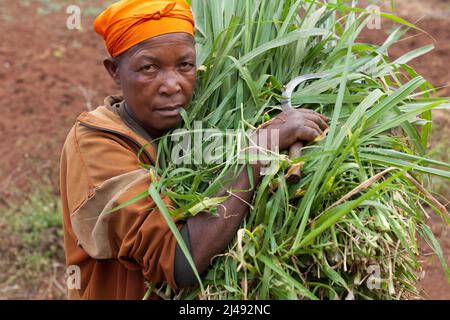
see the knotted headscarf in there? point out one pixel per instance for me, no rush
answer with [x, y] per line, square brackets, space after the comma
[129, 22]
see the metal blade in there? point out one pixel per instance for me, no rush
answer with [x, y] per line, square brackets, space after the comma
[290, 87]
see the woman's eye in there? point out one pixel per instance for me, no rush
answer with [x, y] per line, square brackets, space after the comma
[186, 65]
[149, 67]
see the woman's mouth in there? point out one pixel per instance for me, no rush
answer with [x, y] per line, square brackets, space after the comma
[169, 111]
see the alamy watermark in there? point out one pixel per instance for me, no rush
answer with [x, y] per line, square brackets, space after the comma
[73, 273]
[73, 21]
[374, 22]
[200, 146]
[374, 280]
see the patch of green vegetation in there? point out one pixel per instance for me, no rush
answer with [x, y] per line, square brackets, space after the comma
[93, 11]
[88, 8]
[33, 252]
[38, 223]
[7, 18]
[48, 7]
[25, 3]
[441, 186]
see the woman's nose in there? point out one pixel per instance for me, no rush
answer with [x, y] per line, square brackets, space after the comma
[170, 84]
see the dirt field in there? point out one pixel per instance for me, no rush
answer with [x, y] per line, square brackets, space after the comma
[50, 74]
[434, 18]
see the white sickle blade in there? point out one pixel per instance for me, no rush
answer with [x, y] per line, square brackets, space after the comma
[290, 87]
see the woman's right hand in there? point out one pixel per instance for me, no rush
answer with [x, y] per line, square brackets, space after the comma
[294, 125]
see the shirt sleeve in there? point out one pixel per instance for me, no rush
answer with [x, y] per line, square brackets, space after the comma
[183, 273]
[137, 234]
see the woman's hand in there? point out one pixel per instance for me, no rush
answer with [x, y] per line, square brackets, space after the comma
[294, 125]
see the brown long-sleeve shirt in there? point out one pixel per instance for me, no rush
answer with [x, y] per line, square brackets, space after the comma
[116, 252]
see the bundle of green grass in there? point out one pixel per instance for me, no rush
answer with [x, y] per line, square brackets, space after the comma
[349, 228]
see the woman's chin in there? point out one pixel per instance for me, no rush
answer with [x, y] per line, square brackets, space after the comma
[169, 124]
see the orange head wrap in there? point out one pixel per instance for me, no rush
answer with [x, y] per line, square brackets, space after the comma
[129, 22]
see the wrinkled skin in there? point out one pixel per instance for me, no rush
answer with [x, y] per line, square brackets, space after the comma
[157, 78]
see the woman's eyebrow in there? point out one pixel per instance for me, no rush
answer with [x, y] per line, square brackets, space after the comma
[187, 56]
[148, 57]
[158, 60]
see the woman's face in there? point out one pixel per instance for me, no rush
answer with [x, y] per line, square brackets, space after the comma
[157, 78]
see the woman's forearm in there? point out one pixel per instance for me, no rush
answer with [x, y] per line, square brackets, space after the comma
[209, 234]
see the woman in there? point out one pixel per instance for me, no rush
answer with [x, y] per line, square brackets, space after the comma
[152, 50]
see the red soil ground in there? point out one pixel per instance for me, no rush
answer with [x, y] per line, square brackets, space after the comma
[433, 17]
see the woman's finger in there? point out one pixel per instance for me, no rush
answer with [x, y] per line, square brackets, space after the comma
[319, 120]
[308, 111]
[307, 134]
[313, 125]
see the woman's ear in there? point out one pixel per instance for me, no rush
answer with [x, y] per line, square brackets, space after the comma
[112, 66]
